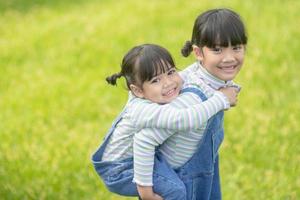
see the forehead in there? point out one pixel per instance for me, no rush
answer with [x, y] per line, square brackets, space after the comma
[224, 41]
[162, 66]
[223, 33]
[153, 68]
[226, 45]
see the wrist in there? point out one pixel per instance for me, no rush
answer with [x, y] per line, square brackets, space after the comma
[145, 192]
[224, 99]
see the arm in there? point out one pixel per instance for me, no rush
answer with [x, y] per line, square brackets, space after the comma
[146, 114]
[144, 143]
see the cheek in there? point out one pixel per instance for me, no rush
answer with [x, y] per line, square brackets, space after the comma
[211, 61]
[241, 57]
[211, 65]
[179, 80]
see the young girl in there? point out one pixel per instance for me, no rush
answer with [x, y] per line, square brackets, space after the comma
[218, 42]
[151, 76]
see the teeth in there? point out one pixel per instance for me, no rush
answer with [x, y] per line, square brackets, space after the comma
[229, 67]
[170, 92]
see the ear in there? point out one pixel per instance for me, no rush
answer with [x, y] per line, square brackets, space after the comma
[138, 92]
[198, 53]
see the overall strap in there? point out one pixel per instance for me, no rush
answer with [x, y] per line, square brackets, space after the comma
[195, 91]
[97, 156]
[114, 124]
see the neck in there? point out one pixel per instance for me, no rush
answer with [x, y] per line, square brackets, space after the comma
[210, 79]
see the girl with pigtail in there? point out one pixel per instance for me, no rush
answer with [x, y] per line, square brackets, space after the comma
[167, 137]
[161, 108]
[218, 43]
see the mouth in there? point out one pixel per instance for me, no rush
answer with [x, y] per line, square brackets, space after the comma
[228, 68]
[170, 93]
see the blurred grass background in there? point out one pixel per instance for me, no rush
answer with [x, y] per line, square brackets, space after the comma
[55, 106]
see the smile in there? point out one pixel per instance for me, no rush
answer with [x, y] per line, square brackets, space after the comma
[171, 92]
[228, 68]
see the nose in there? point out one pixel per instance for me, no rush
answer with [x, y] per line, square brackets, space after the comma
[228, 56]
[167, 81]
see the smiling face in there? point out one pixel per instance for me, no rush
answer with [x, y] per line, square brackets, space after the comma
[152, 74]
[162, 88]
[222, 62]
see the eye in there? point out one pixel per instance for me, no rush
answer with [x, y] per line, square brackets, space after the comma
[171, 71]
[154, 80]
[237, 47]
[216, 49]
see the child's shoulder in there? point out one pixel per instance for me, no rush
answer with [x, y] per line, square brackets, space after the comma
[136, 104]
[189, 69]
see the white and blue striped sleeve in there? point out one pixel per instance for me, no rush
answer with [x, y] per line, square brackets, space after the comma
[146, 114]
[144, 143]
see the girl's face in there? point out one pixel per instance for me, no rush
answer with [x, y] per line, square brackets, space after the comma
[162, 88]
[222, 62]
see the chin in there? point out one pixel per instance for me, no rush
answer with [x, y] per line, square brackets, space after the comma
[228, 77]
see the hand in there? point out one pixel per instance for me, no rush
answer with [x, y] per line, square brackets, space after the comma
[146, 193]
[154, 197]
[231, 93]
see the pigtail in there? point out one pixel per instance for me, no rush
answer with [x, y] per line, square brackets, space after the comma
[187, 48]
[113, 78]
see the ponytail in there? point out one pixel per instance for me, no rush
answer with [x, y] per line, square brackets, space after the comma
[187, 48]
[113, 78]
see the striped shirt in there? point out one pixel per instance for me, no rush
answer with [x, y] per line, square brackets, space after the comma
[182, 122]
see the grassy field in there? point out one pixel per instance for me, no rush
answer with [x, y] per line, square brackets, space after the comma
[55, 106]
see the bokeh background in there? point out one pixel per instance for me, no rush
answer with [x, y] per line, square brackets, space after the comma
[55, 105]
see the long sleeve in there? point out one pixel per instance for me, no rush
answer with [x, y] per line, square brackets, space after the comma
[144, 143]
[146, 114]
[146, 140]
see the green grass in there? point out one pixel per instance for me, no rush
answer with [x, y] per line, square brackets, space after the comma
[55, 106]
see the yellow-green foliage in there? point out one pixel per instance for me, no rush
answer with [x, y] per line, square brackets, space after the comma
[55, 105]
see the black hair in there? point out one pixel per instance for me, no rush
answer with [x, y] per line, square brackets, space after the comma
[216, 27]
[142, 63]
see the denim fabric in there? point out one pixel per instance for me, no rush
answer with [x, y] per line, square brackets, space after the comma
[118, 175]
[201, 173]
[198, 179]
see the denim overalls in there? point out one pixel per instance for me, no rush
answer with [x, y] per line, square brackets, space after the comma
[201, 173]
[118, 175]
[198, 179]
